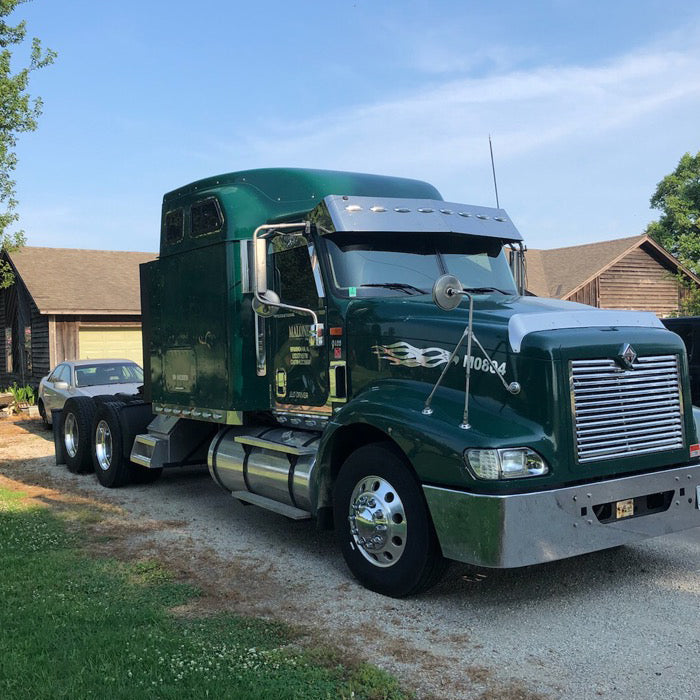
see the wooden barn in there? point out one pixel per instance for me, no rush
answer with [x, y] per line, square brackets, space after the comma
[626, 273]
[68, 304]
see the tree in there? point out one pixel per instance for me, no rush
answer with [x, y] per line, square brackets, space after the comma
[677, 196]
[19, 113]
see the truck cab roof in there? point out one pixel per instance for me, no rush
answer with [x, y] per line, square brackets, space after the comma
[231, 206]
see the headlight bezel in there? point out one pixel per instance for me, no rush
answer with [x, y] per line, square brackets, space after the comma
[487, 464]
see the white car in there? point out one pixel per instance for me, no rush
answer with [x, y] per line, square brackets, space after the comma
[86, 378]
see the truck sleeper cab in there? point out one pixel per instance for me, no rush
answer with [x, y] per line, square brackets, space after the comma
[352, 348]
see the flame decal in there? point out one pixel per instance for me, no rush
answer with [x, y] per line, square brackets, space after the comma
[404, 354]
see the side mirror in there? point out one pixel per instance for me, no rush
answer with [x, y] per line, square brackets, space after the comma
[263, 309]
[446, 292]
[60, 385]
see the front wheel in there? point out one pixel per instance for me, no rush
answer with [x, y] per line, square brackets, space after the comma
[383, 524]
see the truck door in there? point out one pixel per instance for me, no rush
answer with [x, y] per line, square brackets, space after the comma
[299, 367]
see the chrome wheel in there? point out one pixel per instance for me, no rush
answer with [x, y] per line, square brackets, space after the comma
[71, 434]
[377, 521]
[103, 445]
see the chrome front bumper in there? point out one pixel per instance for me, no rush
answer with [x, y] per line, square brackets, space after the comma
[531, 528]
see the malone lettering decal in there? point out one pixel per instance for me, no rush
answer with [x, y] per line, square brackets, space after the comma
[298, 330]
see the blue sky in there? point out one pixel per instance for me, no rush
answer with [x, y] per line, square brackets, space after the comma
[589, 104]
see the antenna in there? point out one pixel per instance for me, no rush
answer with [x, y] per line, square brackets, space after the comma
[493, 170]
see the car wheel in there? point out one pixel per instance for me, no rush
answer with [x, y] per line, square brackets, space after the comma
[78, 413]
[111, 468]
[44, 417]
[383, 523]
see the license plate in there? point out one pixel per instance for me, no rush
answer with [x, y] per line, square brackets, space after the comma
[625, 509]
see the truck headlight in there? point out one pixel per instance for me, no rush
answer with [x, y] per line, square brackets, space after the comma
[509, 463]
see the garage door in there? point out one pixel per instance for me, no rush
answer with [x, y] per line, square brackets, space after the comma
[110, 341]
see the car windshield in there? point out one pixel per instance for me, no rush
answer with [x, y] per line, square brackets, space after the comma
[386, 264]
[108, 373]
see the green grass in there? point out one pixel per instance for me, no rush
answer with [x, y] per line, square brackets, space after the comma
[72, 626]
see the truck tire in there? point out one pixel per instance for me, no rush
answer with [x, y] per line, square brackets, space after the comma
[383, 523]
[78, 413]
[104, 398]
[111, 466]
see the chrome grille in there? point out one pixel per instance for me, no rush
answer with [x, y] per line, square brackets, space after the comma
[625, 412]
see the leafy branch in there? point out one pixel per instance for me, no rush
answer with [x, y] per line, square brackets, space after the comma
[19, 113]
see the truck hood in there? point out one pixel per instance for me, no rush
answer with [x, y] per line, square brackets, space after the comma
[501, 322]
[530, 341]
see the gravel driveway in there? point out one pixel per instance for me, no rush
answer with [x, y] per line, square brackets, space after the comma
[623, 623]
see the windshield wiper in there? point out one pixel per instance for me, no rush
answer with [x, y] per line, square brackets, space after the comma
[481, 290]
[402, 286]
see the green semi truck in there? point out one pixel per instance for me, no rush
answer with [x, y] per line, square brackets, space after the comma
[353, 349]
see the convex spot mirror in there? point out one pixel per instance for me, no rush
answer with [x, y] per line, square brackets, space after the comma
[266, 309]
[447, 292]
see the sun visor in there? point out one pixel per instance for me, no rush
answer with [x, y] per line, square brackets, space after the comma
[399, 215]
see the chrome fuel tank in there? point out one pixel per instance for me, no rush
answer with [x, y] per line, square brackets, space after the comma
[276, 463]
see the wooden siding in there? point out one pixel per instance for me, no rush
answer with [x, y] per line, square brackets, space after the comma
[30, 338]
[11, 300]
[66, 338]
[41, 361]
[588, 294]
[639, 281]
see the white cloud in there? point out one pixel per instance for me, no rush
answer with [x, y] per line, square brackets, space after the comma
[438, 131]
[578, 148]
[528, 110]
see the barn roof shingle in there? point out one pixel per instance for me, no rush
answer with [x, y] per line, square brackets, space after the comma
[76, 281]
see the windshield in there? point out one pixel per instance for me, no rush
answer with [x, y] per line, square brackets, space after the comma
[108, 373]
[386, 264]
